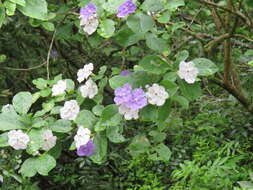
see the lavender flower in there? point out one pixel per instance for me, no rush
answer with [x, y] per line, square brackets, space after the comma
[132, 99]
[89, 21]
[123, 95]
[126, 8]
[125, 73]
[138, 99]
[88, 11]
[86, 150]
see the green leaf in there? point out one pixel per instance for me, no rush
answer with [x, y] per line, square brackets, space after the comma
[149, 113]
[40, 83]
[111, 6]
[109, 112]
[19, 2]
[48, 26]
[42, 165]
[61, 126]
[155, 43]
[99, 155]
[165, 17]
[126, 37]
[86, 118]
[10, 8]
[48, 106]
[154, 64]
[170, 87]
[164, 152]
[9, 121]
[137, 79]
[35, 9]
[114, 134]
[164, 111]
[4, 140]
[28, 168]
[98, 109]
[106, 28]
[140, 23]
[139, 145]
[246, 185]
[45, 164]
[182, 101]
[35, 142]
[39, 122]
[190, 91]
[250, 63]
[2, 14]
[157, 136]
[22, 102]
[174, 4]
[205, 66]
[182, 56]
[152, 6]
[70, 85]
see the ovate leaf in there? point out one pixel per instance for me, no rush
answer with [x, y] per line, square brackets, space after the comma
[106, 28]
[205, 66]
[35, 9]
[22, 102]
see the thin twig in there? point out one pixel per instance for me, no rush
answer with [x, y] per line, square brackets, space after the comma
[23, 69]
[48, 54]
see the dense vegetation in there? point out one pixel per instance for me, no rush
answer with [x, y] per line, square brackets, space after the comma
[126, 94]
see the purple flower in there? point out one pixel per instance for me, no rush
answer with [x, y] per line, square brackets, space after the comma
[138, 99]
[86, 150]
[126, 8]
[123, 95]
[54, 54]
[125, 73]
[88, 10]
[132, 99]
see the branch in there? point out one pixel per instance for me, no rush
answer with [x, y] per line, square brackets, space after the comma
[236, 93]
[22, 69]
[216, 41]
[237, 13]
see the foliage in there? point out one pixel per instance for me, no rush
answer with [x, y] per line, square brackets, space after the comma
[182, 141]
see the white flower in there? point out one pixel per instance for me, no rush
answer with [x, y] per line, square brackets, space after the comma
[59, 88]
[188, 71]
[49, 140]
[128, 113]
[85, 72]
[89, 89]
[157, 95]
[1, 179]
[89, 24]
[17, 139]
[82, 136]
[70, 110]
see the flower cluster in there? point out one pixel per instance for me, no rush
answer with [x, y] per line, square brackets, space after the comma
[59, 88]
[89, 89]
[126, 8]
[88, 18]
[157, 95]
[85, 72]
[130, 101]
[49, 140]
[70, 110]
[83, 142]
[17, 139]
[188, 71]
